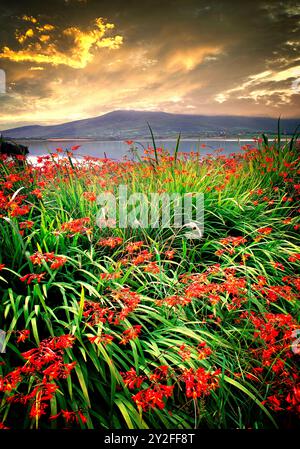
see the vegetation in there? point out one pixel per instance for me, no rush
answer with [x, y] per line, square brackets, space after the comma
[143, 328]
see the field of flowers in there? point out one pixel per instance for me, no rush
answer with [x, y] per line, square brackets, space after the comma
[118, 328]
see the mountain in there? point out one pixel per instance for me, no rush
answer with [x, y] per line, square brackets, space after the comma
[119, 125]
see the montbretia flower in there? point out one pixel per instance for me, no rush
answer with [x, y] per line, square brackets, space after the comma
[130, 334]
[105, 339]
[110, 242]
[160, 373]
[141, 257]
[274, 402]
[37, 409]
[200, 382]
[22, 335]
[233, 241]
[26, 224]
[184, 352]
[170, 254]
[77, 226]
[174, 300]
[90, 196]
[37, 193]
[131, 379]
[134, 246]
[152, 267]
[95, 313]
[58, 262]
[152, 398]
[278, 266]
[20, 210]
[265, 231]
[70, 416]
[110, 276]
[203, 350]
[294, 258]
[28, 278]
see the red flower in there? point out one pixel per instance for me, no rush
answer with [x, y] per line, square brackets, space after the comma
[152, 267]
[170, 254]
[274, 403]
[77, 226]
[294, 257]
[134, 246]
[110, 276]
[265, 231]
[23, 335]
[90, 196]
[203, 351]
[110, 242]
[278, 266]
[28, 278]
[26, 224]
[71, 417]
[19, 210]
[131, 379]
[37, 193]
[58, 262]
[37, 409]
[184, 352]
[130, 334]
[153, 397]
[106, 339]
[199, 382]
[142, 257]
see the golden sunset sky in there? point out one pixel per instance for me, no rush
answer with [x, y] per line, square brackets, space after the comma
[73, 59]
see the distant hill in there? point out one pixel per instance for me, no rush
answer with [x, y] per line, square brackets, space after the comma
[118, 125]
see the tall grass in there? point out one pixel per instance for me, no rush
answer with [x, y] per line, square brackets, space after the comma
[230, 295]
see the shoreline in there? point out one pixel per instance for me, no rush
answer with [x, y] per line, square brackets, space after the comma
[188, 139]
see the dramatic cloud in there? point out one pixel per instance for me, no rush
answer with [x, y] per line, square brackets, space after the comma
[266, 84]
[63, 62]
[45, 48]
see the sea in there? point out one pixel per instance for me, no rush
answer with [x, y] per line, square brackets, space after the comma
[117, 150]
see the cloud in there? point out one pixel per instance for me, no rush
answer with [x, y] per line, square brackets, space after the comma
[189, 58]
[36, 68]
[185, 57]
[265, 84]
[45, 49]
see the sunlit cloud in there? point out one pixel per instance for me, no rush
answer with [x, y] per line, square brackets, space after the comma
[29, 18]
[45, 48]
[36, 68]
[264, 84]
[188, 59]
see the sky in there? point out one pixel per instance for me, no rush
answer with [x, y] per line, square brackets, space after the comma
[66, 60]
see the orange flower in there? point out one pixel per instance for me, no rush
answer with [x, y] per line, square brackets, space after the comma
[130, 334]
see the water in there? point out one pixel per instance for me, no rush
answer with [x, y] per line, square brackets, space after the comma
[118, 149]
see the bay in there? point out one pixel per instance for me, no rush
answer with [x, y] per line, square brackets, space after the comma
[116, 150]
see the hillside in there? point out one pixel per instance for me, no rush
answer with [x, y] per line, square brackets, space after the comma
[133, 124]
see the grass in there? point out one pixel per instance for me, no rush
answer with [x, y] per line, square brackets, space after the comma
[166, 333]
